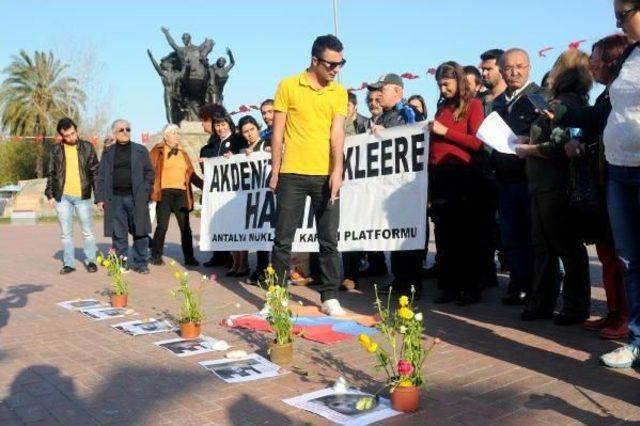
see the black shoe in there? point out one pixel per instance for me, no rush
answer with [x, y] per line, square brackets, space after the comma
[512, 299]
[191, 262]
[468, 298]
[446, 297]
[564, 319]
[430, 273]
[373, 272]
[254, 278]
[230, 274]
[66, 270]
[528, 315]
[92, 267]
[241, 273]
[215, 261]
[157, 261]
[142, 270]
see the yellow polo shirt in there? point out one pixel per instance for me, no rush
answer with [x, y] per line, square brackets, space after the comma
[72, 184]
[307, 132]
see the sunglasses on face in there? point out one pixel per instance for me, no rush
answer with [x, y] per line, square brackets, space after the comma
[622, 16]
[124, 130]
[332, 65]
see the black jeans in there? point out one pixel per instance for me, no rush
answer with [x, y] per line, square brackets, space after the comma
[555, 234]
[293, 190]
[172, 201]
[351, 265]
[123, 220]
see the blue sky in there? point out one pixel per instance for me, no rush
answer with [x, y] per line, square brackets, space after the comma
[272, 39]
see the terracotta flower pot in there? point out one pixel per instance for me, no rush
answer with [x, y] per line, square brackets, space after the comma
[281, 354]
[119, 300]
[406, 399]
[190, 330]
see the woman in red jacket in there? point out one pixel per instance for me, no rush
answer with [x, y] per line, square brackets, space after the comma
[455, 175]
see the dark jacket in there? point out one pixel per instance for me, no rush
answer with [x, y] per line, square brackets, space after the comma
[391, 118]
[157, 162]
[550, 173]
[361, 124]
[508, 167]
[142, 178]
[215, 148]
[87, 163]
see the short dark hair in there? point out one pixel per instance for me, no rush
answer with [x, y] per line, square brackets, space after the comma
[495, 54]
[64, 124]
[352, 98]
[216, 113]
[266, 102]
[471, 70]
[325, 42]
[247, 119]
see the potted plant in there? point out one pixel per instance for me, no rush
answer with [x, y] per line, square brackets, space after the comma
[402, 328]
[279, 317]
[119, 286]
[190, 317]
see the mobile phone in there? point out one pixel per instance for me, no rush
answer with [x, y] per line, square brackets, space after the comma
[538, 101]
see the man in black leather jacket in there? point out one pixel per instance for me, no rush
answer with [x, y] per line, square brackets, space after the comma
[73, 166]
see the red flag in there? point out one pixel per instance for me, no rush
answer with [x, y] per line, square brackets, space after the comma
[254, 107]
[362, 86]
[243, 108]
[431, 71]
[145, 137]
[409, 76]
[39, 138]
[576, 44]
[542, 51]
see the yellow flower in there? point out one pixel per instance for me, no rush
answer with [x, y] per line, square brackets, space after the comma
[405, 383]
[405, 313]
[107, 263]
[365, 341]
[270, 270]
[272, 288]
[100, 259]
[177, 275]
[373, 347]
[404, 301]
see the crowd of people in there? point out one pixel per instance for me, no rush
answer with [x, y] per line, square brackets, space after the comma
[574, 180]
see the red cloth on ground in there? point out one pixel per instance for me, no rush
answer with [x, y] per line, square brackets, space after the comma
[316, 333]
[460, 143]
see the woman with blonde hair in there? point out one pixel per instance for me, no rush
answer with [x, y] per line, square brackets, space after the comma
[555, 233]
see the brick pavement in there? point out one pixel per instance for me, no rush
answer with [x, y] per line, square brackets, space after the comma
[57, 367]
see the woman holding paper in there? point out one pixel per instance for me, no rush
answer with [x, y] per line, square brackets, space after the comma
[555, 232]
[455, 173]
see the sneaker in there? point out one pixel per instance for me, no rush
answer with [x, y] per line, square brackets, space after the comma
[66, 270]
[92, 267]
[332, 308]
[624, 357]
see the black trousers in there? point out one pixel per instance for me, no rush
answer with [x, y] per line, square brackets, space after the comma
[351, 265]
[406, 267]
[487, 211]
[262, 258]
[455, 197]
[555, 235]
[293, 190]
[172, 201]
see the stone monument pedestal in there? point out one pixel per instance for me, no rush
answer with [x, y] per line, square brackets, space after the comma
[192, 138]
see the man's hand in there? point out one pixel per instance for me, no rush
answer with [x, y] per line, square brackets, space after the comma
[524, 150]
[573, 148]
[52, 202]
[100, 206]
[273, 182]
[335, 183]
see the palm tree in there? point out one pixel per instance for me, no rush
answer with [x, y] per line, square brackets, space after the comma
[37, 93]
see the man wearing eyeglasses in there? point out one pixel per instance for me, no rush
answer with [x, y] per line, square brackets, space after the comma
[123, 188]
[310, 110]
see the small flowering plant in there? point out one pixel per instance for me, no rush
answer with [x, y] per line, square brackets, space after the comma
[191, 310]
[115, 265]
[402, 328]
[279, 315]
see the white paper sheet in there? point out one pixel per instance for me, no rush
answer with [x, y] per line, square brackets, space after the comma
[145, 326]
[188, 347]
[495, 133]
[100, 314]
[340, 408]
[252, 367]
[79, 304]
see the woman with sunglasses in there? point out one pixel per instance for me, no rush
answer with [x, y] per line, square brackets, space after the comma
[622, 151]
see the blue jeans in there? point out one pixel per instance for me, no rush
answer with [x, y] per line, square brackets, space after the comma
[514, 207]
[623, 200]
[84, 211]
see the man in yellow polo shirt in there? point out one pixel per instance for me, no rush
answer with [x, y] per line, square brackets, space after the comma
[307, 155]
[73, 167]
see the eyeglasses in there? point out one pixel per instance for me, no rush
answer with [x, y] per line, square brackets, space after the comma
[332, 65]
[622, 16]
[124, 130]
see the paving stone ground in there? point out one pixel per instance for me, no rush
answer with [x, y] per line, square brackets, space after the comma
[57, 367]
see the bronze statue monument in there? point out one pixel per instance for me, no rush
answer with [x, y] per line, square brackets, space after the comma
[188, 79]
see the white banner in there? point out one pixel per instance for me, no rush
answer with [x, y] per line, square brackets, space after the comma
[383, 202]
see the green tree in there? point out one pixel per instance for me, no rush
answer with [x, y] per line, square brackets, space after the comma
[17, 161]
[36, 93]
